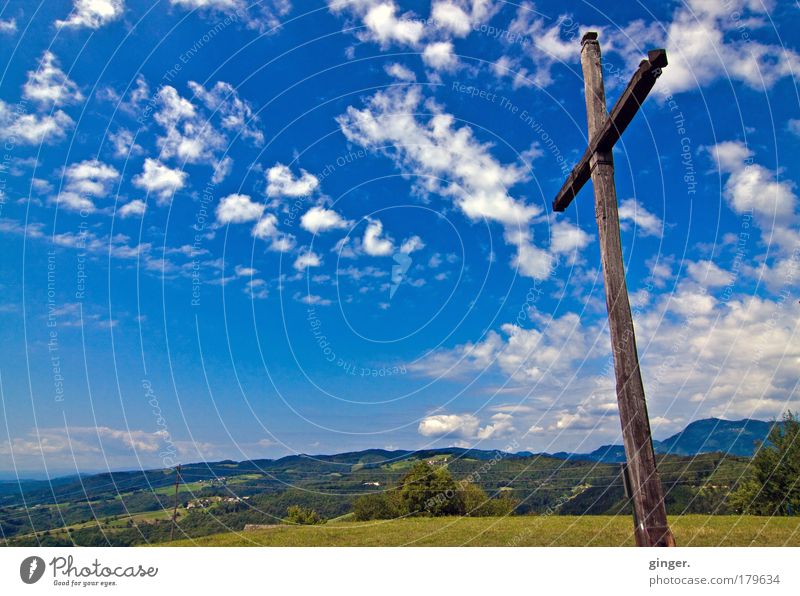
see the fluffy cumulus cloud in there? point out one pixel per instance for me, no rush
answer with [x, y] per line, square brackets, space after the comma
[307, 259]
[644, 222]
[703, 40]
[450, 161]
[375, 243]
[190, 130]
[703, 44]
[440, 55]
[265, 15]
[85, 181]
[267, 229]
[8, 26]
[754, 191]
[235, 114]
[281, 182]
[750, 186]
[48, 85]
[238, 208]
[93, 13]
[385, 23]
[135, 208]
[319, 219]
[466, 426]
[547, 351]
[704, 352]
[160, 180]
[33, 129]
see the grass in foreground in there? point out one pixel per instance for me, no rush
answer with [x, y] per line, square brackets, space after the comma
[689, 530]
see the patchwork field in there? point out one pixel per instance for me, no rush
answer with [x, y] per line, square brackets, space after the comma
[689, 530]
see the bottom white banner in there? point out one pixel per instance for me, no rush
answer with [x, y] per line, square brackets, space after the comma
[398, 571]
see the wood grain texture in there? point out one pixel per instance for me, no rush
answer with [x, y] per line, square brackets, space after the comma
[648, 497]
[609, 130]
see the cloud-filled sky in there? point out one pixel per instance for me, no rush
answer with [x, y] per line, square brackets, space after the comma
[243, 231]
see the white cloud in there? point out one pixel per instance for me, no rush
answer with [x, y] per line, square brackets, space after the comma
[93, 13]
[412, 244]
[242, 271]
[708, 274]
[373, 243]
[566, 238]
[135, 208]
[384, 26]
[263, 15]
[188, 136]
[267, 229]
[400, 72]
[123, 143]
[307, 259]
[451, 162]
[702, 50]
[644, 222]
[457, 164]
[466, 426]
[704, 44]
[312, 299]
[319, 219]
[451, 17]
[256, 289]
[65, 448]
[547, 351]
[49, 85]
[700, 355]
[32, 129]
[91, 177]
[282, 183]
[457, 425]
[238, 208]
[8, 26]
[751, 186]
[84, 180]
[440, 55]
[235, 113]
[160, 180]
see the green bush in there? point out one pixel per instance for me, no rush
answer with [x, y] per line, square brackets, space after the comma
[772, 487]
[384, 505]
[428, 490]
[302, 516]
[477, 503]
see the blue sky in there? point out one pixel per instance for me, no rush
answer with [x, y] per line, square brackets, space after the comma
[235, 231]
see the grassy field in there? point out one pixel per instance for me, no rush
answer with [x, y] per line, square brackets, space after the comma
[689, 530]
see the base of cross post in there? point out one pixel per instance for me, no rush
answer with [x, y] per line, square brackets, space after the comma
[660, 536]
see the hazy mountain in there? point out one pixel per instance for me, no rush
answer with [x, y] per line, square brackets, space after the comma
[710, 435]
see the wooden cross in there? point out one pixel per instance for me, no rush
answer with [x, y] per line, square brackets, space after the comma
[650, 515]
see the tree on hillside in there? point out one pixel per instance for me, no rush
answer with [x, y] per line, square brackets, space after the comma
[430, 490]
[383, 505]
[302, 516]
[774, 485]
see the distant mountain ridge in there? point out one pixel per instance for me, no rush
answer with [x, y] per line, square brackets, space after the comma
[709, 435]
[732, 437]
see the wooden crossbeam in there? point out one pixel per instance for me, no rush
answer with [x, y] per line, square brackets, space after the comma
[647, 494]
[621, 115]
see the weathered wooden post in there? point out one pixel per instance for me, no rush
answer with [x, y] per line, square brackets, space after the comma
[651, 528]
